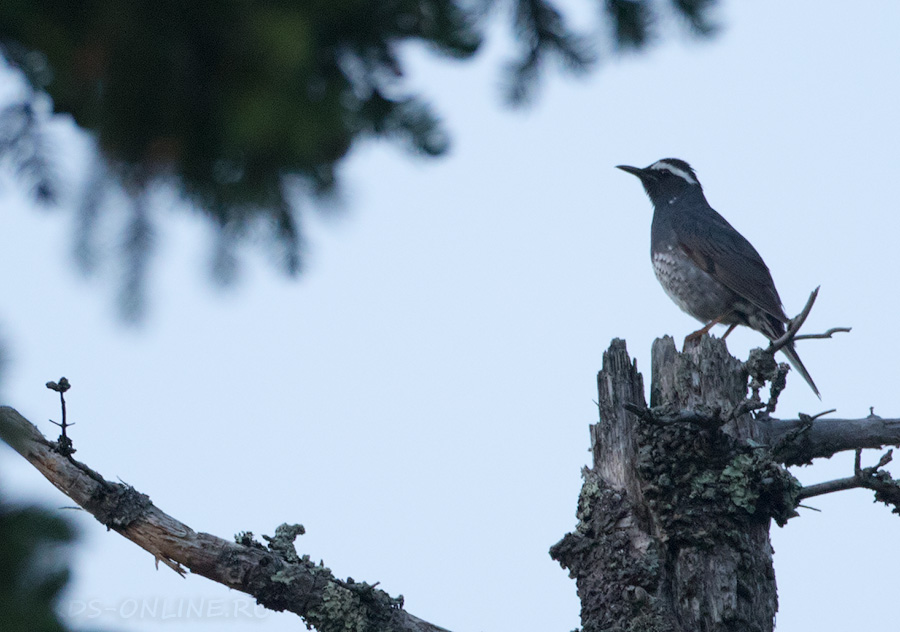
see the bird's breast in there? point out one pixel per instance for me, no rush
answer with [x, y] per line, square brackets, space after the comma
[689, 287]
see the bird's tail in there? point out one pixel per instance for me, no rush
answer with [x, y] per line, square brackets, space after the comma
[794, 359]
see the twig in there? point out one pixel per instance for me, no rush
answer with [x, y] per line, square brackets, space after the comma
[810, 418]
[827, 334]
[886, 458]
[886, 489]
[838, 485]
[795, 324]
[64, 443]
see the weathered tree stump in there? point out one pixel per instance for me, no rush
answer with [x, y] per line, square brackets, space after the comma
[674, 515]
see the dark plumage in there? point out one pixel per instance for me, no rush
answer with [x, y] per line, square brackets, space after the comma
[708, 269]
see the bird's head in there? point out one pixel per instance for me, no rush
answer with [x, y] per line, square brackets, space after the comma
[666, 179]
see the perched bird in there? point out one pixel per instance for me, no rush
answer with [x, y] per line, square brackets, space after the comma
[708, 268]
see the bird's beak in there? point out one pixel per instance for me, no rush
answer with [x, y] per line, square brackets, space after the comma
[635, 171]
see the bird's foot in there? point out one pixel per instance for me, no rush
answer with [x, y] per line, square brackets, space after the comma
[697, 335]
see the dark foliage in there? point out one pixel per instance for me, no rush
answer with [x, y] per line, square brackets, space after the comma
[33, 570]
[631, 21]
[24, 146]
[543, 33]
[227, 101]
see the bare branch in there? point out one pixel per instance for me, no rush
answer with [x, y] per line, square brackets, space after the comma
[827, 334]
[838, 485]
[817, 415]
[799, 441]
[794, 441]
[887, 490]
[277, 579]
[886, 458]
[797, 322]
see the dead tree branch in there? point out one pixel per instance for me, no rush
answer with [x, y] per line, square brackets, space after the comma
[797, 322]
[825, 334]
[276, 576]
[793, 441]
[837, 485]
[887, 490]
[799, 441]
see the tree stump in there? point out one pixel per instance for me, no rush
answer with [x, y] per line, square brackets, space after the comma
[674, 515]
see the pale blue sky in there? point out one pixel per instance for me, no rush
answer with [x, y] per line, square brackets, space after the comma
[420, 398]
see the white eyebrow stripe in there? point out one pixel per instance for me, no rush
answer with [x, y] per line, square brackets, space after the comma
[681, 173]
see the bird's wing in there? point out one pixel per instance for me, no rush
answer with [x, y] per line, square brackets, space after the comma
[723, 253]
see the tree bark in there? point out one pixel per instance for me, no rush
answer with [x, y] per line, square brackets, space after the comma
[674, 517]
[802, 440]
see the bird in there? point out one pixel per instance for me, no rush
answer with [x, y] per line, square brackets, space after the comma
[706, 266]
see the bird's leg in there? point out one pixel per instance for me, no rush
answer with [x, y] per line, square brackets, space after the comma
[730, 329]
[704, 330]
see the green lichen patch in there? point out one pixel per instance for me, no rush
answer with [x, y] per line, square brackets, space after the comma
[284, 580]
[349, 606]
[283, 541]
[703, 485]
[587, 499]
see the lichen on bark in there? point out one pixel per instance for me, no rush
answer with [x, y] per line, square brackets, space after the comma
[701, 483]
[674, 515]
